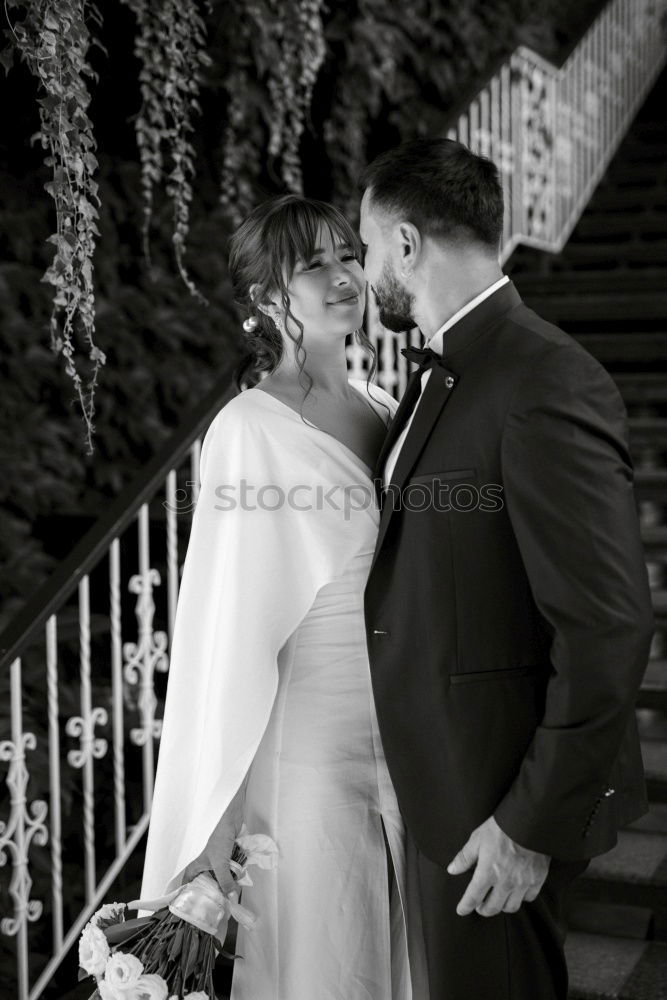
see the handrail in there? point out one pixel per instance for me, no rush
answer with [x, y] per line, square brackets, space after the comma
[63, 581]
[117, 680]
[493, 68]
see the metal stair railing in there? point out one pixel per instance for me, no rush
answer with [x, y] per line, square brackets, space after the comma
[116, 683]
[552, 132]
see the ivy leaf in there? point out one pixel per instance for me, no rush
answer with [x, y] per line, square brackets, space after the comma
[7, 58]
[50, 102]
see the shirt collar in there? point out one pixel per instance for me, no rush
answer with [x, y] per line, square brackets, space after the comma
[436, 341]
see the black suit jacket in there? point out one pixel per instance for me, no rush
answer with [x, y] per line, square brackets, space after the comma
[508, 610]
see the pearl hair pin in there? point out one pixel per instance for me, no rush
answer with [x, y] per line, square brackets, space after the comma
[250, 324]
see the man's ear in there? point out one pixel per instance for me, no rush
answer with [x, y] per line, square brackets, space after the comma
[409, 245]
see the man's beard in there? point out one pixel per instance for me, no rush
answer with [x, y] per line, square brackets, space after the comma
[395, 302]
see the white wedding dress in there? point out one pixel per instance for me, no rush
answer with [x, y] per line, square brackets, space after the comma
[332, 914]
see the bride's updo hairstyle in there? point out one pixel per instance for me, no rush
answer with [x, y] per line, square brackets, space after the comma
[263, 253]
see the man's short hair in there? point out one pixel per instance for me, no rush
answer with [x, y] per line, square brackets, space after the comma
[442, 187]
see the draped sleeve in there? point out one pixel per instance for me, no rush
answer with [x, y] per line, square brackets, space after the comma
[263, 542]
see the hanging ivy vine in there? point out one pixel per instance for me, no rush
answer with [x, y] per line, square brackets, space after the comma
[53, 39]
[171, 46]
[282, 42]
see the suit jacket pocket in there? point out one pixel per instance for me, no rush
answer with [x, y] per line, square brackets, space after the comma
[494, 675]
[445, 476]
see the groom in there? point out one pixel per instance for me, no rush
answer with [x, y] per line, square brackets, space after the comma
[508, 610]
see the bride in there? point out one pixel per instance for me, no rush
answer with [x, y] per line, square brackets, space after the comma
[269, 716]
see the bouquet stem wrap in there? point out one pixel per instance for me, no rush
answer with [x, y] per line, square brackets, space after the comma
[203, 904]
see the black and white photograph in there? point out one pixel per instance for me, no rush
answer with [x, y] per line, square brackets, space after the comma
[333, 513]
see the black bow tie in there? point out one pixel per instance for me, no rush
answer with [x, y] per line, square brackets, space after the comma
[422, 356]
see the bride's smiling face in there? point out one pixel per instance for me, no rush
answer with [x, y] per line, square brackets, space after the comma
[327, 291]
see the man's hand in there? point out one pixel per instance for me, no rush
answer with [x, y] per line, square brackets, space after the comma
[505, 874]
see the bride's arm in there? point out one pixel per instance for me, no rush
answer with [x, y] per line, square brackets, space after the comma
[216, 855]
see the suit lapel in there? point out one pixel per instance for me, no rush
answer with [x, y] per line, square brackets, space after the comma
[404, 410]
[440, 385]
[438, 389]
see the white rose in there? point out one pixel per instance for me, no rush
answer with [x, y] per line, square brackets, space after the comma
[147, 987]
[150, 987]
[93, 950]
[122, 971]
[109, 992]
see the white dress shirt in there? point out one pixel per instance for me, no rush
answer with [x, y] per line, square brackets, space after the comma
[436, 344]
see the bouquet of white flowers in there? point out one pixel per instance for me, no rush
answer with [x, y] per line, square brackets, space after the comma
[170, 954]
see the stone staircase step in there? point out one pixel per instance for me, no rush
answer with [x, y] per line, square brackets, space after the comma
[651, 484]
[635, 150]
[639, 858]
[654, 821]
[647, 130]
[647, 431]
[611, 348]
[608, 279]
[659, 597]
[592, 282]
[630, 176]
[652, 724]
[584, 305]
[607, 256]
[658, 645]
[638, 388]
[622, 168]
[654, 755]
[654, 539]
[609, 198]
[633, 874]
[625, 203]
[653, 692]
[619, 224]
[610, 968]
[615, 919]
